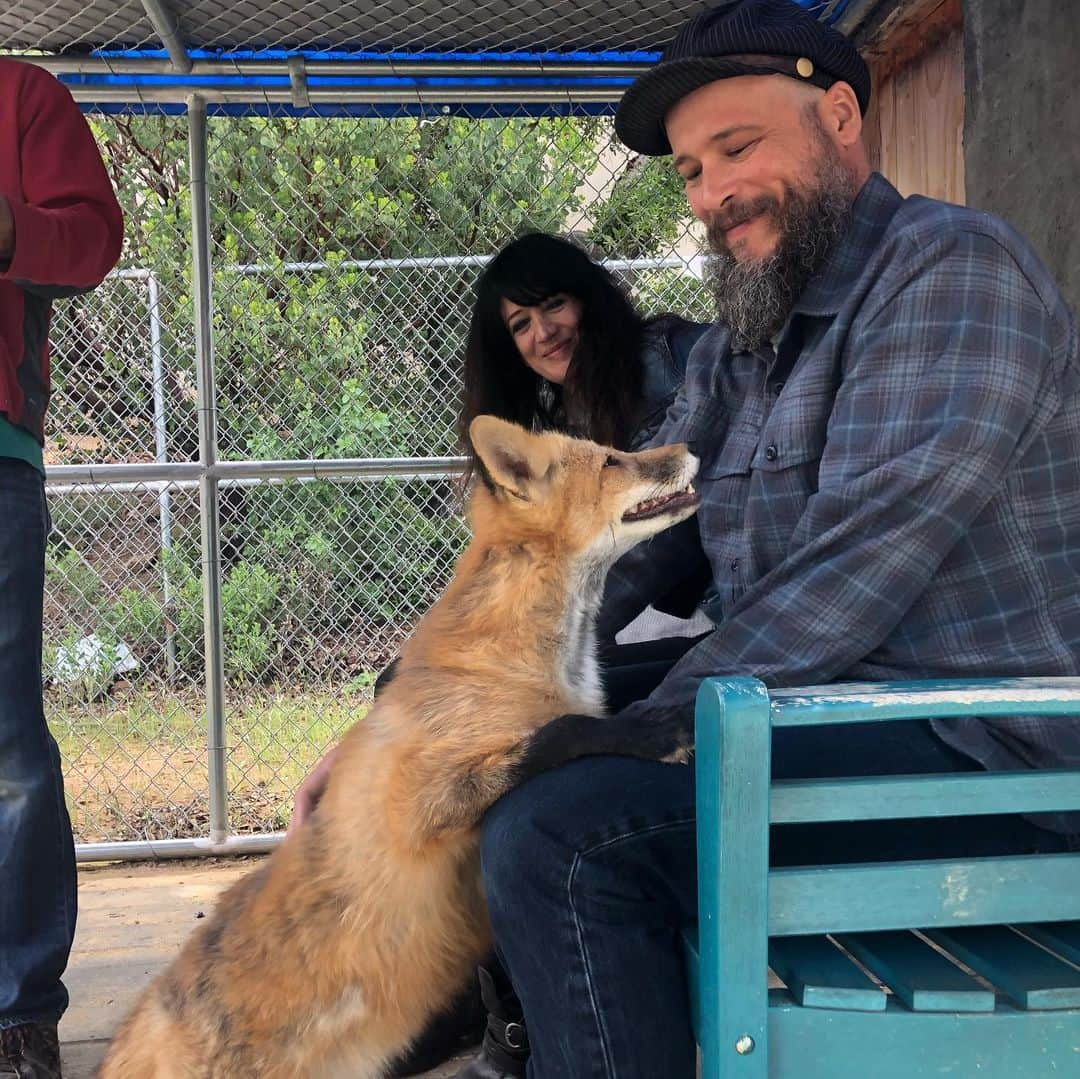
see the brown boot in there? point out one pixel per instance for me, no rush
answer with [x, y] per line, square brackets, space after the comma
[29, 1051]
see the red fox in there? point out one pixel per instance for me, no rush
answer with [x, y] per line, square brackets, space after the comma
[330, 958]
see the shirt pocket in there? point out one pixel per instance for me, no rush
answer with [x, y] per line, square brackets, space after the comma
[794, 435]
[734, 456]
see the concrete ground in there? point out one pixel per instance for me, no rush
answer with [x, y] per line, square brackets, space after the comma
[132, 921]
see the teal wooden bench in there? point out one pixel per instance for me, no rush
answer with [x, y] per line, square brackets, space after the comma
[891, 970]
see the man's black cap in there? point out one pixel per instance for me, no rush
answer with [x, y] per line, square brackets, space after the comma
[739, 37]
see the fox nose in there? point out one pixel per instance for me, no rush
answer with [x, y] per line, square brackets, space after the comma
[692, 447]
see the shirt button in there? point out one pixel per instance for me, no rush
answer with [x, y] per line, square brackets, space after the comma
[771, 453]
[777, 387]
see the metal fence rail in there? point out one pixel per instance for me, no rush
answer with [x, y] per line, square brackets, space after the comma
[251, 461]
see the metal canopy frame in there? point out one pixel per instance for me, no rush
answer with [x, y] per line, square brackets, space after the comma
[312, 57]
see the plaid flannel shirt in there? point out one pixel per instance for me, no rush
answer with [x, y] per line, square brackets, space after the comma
[893, 491]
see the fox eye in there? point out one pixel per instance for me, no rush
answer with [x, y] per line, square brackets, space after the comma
[612, 461]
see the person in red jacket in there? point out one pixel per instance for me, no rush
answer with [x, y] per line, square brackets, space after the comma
[60, 233]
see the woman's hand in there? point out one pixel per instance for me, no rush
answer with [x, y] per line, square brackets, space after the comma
[312, 789]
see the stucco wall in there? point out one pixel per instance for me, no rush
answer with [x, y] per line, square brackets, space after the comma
[1022, 123]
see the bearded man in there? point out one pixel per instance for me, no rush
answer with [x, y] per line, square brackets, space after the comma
[888, 419]
[887, 413]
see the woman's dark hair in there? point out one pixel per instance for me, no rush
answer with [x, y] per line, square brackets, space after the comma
[605, 374]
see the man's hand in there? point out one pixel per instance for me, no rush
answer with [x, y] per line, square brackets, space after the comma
[7, 230]
[312, 789]
[314, 786]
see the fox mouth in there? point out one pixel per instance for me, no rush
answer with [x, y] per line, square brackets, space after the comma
[653, 507]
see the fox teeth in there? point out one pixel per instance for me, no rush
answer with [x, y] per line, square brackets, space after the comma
[649, 503]
[644, 509]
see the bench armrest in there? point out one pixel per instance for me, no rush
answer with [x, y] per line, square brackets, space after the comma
[865, 702]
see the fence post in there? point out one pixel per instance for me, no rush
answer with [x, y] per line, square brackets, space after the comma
[161, 455]
[209, 510]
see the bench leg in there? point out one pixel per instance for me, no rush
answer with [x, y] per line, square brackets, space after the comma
[733, 775]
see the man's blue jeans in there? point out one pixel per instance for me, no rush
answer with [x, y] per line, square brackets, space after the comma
[37, 854]
[590, 873]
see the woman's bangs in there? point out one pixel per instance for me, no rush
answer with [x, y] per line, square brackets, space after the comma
[529, 290]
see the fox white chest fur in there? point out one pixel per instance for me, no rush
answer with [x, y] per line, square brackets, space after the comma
[577, 666]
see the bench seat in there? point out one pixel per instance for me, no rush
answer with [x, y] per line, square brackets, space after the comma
[929, 1016]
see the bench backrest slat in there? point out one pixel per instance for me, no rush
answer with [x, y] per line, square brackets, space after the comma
[903, 895]
[809, 801]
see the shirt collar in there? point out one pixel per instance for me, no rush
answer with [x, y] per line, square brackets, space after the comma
[871, 213]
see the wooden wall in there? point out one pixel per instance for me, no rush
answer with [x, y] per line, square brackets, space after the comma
[914, 127]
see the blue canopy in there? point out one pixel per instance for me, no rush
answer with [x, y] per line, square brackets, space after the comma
[354, 58]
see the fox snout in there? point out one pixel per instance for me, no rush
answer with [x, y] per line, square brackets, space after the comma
[668, 464]
[690, 462]
[663, 490]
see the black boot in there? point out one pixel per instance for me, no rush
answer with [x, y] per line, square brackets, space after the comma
[29, 1051]
[505, 1047]
[454, 1031]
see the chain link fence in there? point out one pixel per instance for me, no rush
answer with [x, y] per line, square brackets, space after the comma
[251, 458]
[344, 253]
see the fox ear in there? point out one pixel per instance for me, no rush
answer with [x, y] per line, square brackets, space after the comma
[512, 458]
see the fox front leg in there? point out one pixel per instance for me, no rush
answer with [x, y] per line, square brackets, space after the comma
[657, 736]
[459, 796]
[451, 796]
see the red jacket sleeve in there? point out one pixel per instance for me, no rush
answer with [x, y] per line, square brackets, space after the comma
[68, 224]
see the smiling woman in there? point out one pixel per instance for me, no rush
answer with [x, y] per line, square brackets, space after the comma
[546, 334]
[554, 344]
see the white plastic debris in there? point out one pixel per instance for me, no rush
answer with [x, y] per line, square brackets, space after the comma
[91, 658]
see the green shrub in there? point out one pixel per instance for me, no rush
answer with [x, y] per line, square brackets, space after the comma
[343, 362]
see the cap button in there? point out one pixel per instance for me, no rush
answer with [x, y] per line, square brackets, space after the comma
[804, 66]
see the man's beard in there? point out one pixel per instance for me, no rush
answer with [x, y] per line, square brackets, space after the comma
[755, 296]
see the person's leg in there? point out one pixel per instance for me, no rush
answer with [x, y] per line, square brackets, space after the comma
[630, 672]
[590, 872]
[590, 875]
[456, 1030]
[37, 856]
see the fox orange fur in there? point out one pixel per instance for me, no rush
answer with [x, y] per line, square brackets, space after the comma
[330, 958]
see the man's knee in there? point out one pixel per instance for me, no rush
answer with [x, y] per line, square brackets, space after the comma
[532, 837]
[532, 834]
